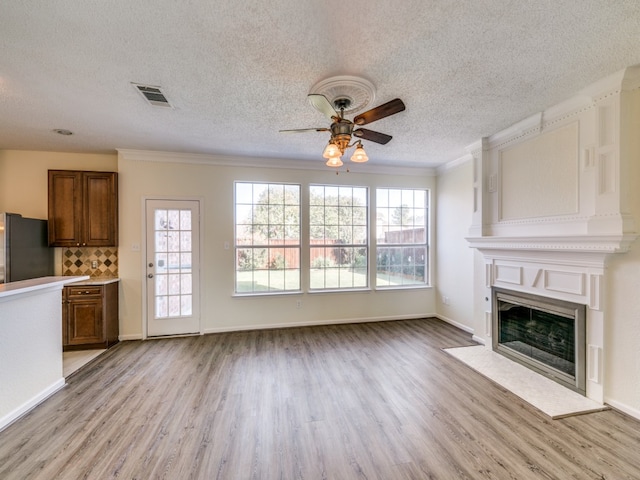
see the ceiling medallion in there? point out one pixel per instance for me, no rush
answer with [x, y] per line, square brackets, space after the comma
[358, 92]
[337, 96]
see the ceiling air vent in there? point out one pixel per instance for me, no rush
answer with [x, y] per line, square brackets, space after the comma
[153, 95]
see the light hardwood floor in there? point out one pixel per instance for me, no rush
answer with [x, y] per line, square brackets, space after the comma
[375, 401]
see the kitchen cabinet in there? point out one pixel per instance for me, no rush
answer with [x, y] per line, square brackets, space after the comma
[83, 208]
[90, 316]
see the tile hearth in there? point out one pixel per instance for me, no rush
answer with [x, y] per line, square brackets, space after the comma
[544, 394]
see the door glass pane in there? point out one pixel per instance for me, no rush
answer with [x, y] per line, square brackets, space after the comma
[173, 255]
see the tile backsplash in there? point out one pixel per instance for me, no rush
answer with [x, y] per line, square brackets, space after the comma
[81, 261]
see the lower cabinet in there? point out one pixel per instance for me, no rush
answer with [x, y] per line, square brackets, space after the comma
[89, 316]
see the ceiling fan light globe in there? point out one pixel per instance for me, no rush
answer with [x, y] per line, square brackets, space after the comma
[359, 156]
[334, 162]
[330, 151]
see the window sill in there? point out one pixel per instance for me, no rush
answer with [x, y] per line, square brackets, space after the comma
[341, 290]
[267, 294]
[403, 287]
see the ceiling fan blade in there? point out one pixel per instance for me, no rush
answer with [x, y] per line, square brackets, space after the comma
[323, 105]
[301, 130]
[394, 106]
[372, 136]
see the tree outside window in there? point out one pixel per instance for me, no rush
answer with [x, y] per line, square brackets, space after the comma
[401, 237]
[338, 237]
[267, 239]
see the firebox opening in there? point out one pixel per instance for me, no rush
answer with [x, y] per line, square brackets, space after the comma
[544, 334]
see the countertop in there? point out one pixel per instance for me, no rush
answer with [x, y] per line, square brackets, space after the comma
[25, 286]
[94, 281]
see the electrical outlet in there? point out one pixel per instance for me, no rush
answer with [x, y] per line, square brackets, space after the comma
[94, 264]
[298, 303]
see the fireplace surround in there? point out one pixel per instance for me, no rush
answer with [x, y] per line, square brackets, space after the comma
[544, 334]
[553, 202]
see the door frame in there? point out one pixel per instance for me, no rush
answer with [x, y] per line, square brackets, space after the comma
[143, 259]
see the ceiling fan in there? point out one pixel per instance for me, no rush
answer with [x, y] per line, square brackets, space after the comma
[343, 129]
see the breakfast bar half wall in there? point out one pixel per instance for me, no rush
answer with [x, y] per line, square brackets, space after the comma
[30, 344]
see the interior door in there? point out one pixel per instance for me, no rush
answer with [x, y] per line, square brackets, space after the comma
[172, 267]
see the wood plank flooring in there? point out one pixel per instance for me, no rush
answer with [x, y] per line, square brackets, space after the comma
[365, 401]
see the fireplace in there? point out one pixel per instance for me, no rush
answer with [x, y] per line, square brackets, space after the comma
[544, 334]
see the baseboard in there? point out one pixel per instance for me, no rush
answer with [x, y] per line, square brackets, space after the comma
[32, 402]
[315, 323]
[632, 412]
[134, 336]
[478, 339]
[459, 325]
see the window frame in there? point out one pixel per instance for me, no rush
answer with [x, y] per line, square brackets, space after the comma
[267, 245]
[352, 246]
[426, 282]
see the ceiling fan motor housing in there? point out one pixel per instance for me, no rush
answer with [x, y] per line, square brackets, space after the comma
[341, 133]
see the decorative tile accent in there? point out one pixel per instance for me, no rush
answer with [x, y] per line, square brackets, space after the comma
[78, 261]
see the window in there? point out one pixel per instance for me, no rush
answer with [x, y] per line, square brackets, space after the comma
[267, 239]
[401, 234]
[338, 237]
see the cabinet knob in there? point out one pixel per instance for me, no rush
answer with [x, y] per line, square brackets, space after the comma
[150, 275]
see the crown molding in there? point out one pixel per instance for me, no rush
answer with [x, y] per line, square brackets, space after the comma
[587, 98]
[454, 164]
[476, 148]
[631, 80]
[518, 131]
[265, 162]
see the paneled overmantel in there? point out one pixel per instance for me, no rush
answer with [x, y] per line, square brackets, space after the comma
[555, 196]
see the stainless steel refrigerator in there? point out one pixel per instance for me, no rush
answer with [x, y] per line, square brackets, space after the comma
[24, 252]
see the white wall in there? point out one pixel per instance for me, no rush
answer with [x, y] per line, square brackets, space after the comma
[30, 347]
[213, 183]
[622, 332]
[454, 258]
[24, 178]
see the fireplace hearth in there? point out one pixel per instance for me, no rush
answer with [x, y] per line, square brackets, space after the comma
[544, 334]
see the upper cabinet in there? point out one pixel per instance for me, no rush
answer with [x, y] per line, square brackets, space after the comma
[83, 208]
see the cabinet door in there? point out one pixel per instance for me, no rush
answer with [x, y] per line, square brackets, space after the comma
[65, 208]
[84, 319]
[100, 219]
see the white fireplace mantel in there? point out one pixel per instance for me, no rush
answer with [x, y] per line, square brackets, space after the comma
[591, 244]
[576, 276]
[555, 197]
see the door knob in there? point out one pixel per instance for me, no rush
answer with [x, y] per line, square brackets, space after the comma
[150, 275]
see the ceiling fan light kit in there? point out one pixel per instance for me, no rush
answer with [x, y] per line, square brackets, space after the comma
[334, 162]
[359, 156]
[331, 150]
[336, 96]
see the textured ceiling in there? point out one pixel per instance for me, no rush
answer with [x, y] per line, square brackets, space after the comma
[238, 71]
